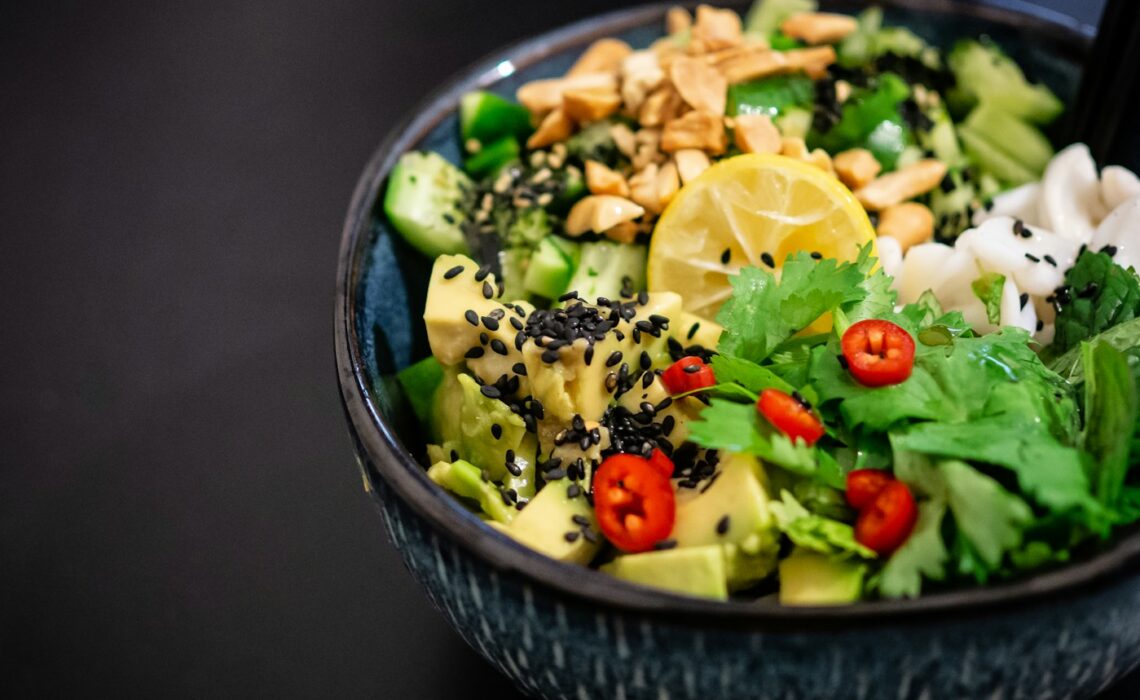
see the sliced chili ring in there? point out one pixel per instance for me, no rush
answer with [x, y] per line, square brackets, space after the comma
[634, 503]
[687, 374]
[878, 353]
[884, 525]
[863, 485]
[661, 462]
[790, 415]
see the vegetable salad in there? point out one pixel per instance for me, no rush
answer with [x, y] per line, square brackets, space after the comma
[793, 305]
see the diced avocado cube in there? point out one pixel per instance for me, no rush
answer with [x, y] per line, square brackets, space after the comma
[424, 202]
[690, 329]
[463, 479]
[545, 521]
[695, 571]
[811, 578]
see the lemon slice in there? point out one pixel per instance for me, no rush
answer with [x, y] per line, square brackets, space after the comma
[758, 208]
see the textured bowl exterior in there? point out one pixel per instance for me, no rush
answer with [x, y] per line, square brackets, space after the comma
[556, 647]
[561, 631]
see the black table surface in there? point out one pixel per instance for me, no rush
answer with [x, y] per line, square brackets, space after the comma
[180, 513]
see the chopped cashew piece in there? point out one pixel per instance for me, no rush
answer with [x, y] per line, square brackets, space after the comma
[761, 63]
[660, 107]
[856, 167]
[600, 213]
[677, 20]
[696, 129]
[625, 232]
[819, 27]
[641, 73]
[643, 188]
[668, 182]
[624, 139]
[755, 133]
[700, 85]
[602, 180]
[794, 147]
[715, 29]
[901, 185]
[603, 56]
[555, 127]
[590, 104]
[690, 164]
[909, 223]
[648, 149]
[542, 96]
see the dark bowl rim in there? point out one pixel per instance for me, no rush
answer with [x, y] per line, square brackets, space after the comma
[385, 457]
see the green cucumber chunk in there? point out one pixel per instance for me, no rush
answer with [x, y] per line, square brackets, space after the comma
[1014, 137]
[604, 267]
[419, 382]
[985, 74]
[486, 117]
[993, 160]
[772, 96]
[550, 270]
[424, 203]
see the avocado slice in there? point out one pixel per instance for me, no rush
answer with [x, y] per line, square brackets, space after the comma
[463, 479]
[811, 578]
[732, 513]
[546, 521]
[691, 329]
[696, 571]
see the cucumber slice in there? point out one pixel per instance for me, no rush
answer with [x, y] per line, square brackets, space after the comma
[423, 202]
[571, 249]
[550, 270]
[604, 267]
[514, 262]
[419, 382]
[993, 160]
[492, 157]
[486, 117]
[986, 74]
[942, 139]
[1013, 137]
[794, 122]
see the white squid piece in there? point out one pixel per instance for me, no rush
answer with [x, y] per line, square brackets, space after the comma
[1121, 229]
[1070, 201]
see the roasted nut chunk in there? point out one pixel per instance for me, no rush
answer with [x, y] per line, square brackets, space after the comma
[761, 63]
[602, 180]
[677, 20]
[641, 73]
[690, 164]
[856, 167]
[819, 27]
[755, 133]
[696, 129]
[699, 84]
[661, 106]
[794, 147]
[901, 185]
[603, 56]
[590, 105]
[909, 223]
[542, 96]
[600, 213]
[554, 127]
[715, 30]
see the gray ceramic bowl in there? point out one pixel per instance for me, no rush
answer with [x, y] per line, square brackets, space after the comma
[561, 631]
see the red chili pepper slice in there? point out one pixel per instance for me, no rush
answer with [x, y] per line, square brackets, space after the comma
[661, 462]
[634, 502]
[885, 524]
[790, 415]
[687, 374]
[863, 485]
[878, 353]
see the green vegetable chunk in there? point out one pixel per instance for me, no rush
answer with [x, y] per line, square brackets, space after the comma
[493, 156]
[606, 268]
[1112, 407]
[487, 118]
[419, 382]
[1101, 295]
[765, 16]
[987, 75]
[988, 288]
[810, 578]
[424, 202]
[463, 479]
[771, 96]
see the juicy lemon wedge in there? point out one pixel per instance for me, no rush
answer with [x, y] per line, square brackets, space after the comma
[750, 210]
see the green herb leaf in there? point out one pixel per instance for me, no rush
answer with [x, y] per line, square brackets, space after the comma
[988, 288]
[751, 376]
[763, 313]
[815, 532]
[1111, 410]
[1101, 295]
[922, 555]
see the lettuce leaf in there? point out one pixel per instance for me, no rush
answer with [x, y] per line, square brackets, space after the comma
[816, 532]
[923, 555]
[1111, 411]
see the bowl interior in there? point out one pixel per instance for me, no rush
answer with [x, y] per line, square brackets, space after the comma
[384, 281]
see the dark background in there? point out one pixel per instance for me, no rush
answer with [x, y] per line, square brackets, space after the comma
[179, 508]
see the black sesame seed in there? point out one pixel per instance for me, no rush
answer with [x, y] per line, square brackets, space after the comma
[647, 407]
[1049, 259]
[1032, 258]
[1024, 300]
[692, 331]
[484, 338]
[580, 520]
[490, 323]
[637, 336]
[555, 474]
[668, 424]
[665, 544]
[573, 491]
[614, 358]
[453, 272]
[482, 272]
[550, 356]
[1089, 290]
[767, 259]
[816, 255]
[472, 317]
[588, 356]
[726, 256]
[568, 296]
[474, 353]
[647, 379]
[643, 297]
[1019, 228]
[454, 456]
[611, 381]
[722, 525]
[572, 536]
[516, 323]
[519, 369]
[498, 346]
[537, 409]
[560, 438]
[645, 361]
[506, 497]
[1040, 325]
[514, 469]
[693, 369]
[490, 391]
[488, 290]
[1109, 250]
[496, 431]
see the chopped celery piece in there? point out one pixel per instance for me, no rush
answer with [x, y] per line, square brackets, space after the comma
[1014, 137]
[493, 156]
[986, 74]
[772, 96]
[993, 160]
[486, 117]
[766, 16]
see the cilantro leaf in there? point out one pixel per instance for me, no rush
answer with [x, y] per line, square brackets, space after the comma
[1111, 410]
[922, 555]
[879, 296]
[1124, 337]
[763, 313]
[988, 288]
[751, 376]
[1100, 295]
[815, 532]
